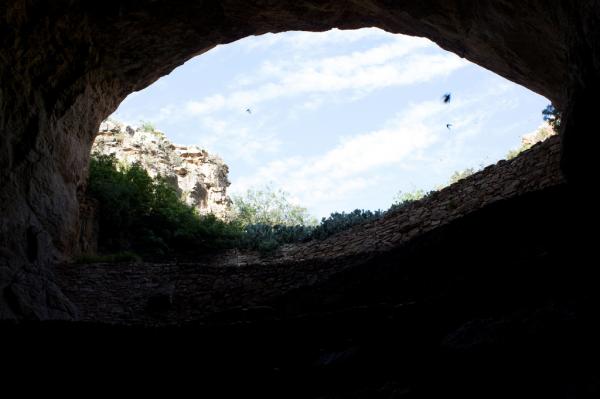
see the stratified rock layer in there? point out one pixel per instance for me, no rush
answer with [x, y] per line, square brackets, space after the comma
[66, 65]
[201, 178]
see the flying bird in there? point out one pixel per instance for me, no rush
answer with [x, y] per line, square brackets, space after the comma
[448, 125]
[446, 98]
[248, 110]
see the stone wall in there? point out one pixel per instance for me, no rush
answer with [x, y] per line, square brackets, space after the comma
[234, 280]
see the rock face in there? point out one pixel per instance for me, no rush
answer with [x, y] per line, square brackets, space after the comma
[201, 178]
[65, 66]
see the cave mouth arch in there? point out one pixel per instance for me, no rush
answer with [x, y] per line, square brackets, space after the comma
[67, 65]
[284, 109]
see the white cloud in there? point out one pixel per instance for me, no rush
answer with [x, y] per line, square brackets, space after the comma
[412, 140]
[398, 63]
[238, 142]
[350, 166]
[207, 105]
[316, 80]
[414, 149]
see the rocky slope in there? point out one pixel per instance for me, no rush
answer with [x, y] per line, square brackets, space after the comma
[200, 177]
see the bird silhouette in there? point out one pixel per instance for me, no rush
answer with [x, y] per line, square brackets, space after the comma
[446, 98]
[448, 125]
[248, 110]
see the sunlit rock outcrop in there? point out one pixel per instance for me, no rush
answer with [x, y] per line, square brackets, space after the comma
[201, 178]
[540, 134]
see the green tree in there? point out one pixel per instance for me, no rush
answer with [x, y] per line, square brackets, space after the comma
[124, 196]
[402, 198]
[552, 116]
[269, 207]
[147, 215]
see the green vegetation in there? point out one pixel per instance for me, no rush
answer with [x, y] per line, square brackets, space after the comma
[145, 215]
[147, 126]
[514, 153]
[552, 116]
[459, 175]
[405, 198]
[401, 199]
[270, 207]
[337, 222]
[261, 213]
[269, 220]
[266, 237]
[540, 135]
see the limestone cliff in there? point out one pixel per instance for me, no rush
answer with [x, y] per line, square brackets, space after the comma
[200, 177]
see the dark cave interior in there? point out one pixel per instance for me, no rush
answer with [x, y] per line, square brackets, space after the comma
[483, 306]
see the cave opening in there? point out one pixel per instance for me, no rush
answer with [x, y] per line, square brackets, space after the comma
[342, 121]
[77, 100]
[425, 302]
[401, 103]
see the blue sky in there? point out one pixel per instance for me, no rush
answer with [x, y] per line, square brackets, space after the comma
[340, 119]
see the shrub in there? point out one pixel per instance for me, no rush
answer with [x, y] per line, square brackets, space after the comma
[147, 215]
[459, 175]
[266, 238]
[269, 207]
[337, 222]
[148, 126]
[402, 199]
[540, 134]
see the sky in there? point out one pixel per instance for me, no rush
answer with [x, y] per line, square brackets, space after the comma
[340, 119]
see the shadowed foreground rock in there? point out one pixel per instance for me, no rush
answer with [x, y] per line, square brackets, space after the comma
[466, 310]
[438, 316]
